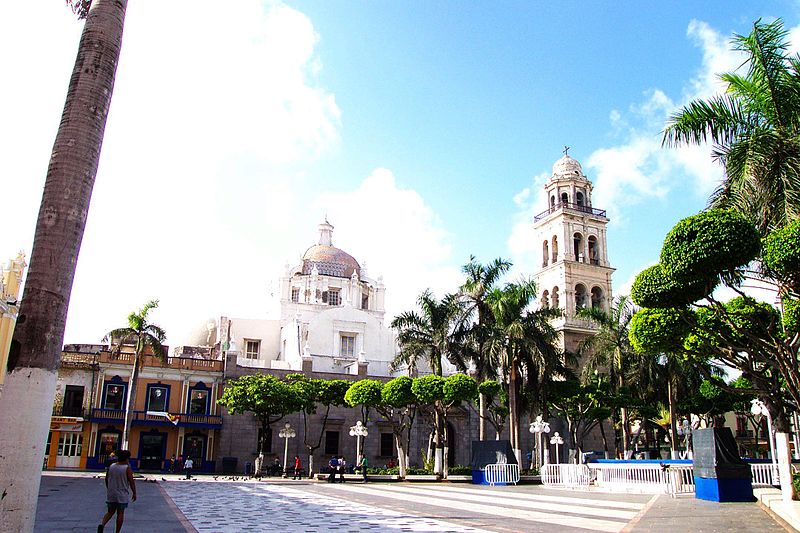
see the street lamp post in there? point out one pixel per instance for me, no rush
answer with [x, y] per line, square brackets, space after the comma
[558, 441]
[286, 433]
[758, 408]
[358, 431]
[538, 427]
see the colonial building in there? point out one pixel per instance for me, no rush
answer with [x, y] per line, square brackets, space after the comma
[10, 285]
[331, 313]
[574, 270]
[175, 411]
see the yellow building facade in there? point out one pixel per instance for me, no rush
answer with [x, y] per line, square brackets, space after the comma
[10, 286]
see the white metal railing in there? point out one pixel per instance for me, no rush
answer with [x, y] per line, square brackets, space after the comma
[568, 476]
[764, 474]
[645, 478]
[501, 473]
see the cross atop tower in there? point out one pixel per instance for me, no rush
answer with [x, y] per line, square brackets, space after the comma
[566, 150]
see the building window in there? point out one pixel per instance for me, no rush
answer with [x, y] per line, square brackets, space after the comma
[157, 398]
[198, 400]
[73, 401]
[333, 297]
[580, 296]
[264, 440]
[331, 443]
[107, 442]
[114, 396]
[251, 349]
[194, 447]
[348, 346]
[387, 445]
[365, 301]
[295, 294]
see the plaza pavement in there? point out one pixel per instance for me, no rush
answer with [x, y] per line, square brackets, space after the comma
[74, 502]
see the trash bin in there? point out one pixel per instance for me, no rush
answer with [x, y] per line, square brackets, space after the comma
[229, 465]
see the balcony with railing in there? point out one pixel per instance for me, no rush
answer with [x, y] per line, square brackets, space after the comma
[179, 363]
[567, 206]
[142, 418]
[70, 411]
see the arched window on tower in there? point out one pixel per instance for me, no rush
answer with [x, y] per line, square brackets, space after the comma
[577, 246]
[580, 296]
[597, 298]
[545, 300]
[579, 199]
[545, 253]
[594, 251]
[553, 202]
[564, 198]
[555, 248]
[556, 303]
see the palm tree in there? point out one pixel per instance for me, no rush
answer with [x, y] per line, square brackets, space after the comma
[755, 128]
[143, 335]
[610, 349]
[481, 280]
[36, 346]
[428, 335]
[524, 342]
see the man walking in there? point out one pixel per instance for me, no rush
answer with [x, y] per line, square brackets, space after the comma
[119, 486]
[298, 467]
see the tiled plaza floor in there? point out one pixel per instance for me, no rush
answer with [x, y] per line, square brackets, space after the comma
[74, 502]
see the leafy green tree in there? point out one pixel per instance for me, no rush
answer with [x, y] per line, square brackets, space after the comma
[457, 389]
[496, 405]
[755, 129]
[610, 348]
[314, 394]
[364, 393]
[144, 335]
[429, 393]
[268, 398]
[35, 351]
[399, 406]
[584, 407]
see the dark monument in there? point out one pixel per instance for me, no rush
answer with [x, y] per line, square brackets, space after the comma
[719, 474]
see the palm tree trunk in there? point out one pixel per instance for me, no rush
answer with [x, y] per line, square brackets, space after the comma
[513, 418]
[482, 417]
[130, 403]
[26, 402]
[673, 432]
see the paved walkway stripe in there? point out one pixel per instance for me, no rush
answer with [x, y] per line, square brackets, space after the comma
[495, 498]
[536, 497]
[568, 522]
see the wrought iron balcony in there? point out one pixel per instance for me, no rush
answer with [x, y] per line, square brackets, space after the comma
[571, 207]
[141, 418]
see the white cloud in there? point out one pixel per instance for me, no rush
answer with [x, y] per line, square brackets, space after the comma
[397, 234]
[213, 113]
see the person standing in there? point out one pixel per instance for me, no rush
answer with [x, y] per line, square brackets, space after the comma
[342, 467]
[119, 487]
[363, 464]
[333, 465]
[187, 467]
[298, 466]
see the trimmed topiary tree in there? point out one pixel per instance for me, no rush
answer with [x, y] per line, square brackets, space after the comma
[654, 287]
[714, 242]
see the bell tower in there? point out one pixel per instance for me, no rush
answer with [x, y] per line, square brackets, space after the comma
[573, 271]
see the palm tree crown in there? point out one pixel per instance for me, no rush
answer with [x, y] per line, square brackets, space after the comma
[755, 129]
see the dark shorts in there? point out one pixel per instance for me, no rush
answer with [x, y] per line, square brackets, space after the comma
[113, 506]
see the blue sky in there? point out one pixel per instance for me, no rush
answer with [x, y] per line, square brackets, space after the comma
[424, 130]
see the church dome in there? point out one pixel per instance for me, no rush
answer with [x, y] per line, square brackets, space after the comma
[566, 167]
[330, 261]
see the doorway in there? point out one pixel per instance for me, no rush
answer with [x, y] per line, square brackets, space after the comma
[151, 451]
[69, 450]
